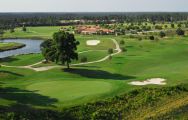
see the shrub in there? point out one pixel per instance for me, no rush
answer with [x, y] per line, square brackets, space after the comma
[110, 51]
[122, 42]
[140, 38]
[83, 59]
[12, 30]
[172, 25]
[166, 26]
[105, 114]
[24, 29]
[110, 57]
[179, 25]
[179, 31]
[162, 34]
[152, 37]
[158, 27]
[186, 25]
[123, 49]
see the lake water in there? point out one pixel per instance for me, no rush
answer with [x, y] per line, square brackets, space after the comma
[32, 46]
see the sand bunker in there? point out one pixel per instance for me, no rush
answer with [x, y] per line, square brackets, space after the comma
[93, 42]
[155, 81]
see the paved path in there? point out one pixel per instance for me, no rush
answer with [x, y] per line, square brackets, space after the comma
[118, 49]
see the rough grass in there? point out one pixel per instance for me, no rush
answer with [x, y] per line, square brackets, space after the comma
[141, 104]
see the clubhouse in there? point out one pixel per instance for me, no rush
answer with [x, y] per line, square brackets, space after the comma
[88, 30]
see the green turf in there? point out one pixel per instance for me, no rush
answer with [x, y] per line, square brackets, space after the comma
[32, 32]
[22, 60]
[166, 58]
[66, 91]
[10, 46]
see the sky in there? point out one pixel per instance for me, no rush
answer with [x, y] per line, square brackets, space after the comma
[93, 5]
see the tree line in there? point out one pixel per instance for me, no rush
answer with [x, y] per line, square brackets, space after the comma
[8, 20]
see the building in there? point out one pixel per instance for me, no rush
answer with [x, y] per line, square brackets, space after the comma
[88, 30]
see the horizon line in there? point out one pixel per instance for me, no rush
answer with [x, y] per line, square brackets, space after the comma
[100, 12]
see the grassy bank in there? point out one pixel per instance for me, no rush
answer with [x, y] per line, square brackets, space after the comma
[10, 46]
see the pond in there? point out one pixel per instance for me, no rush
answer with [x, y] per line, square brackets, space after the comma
[32, 46]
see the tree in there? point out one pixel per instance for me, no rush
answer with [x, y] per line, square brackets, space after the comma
[179, 25]
[12, 30]
[110, 51]
[162, 34]
[186, 25]
[179, 31]
[158, 27]
[61, 49]
[172, 25]
[166, 26]
[48, 50]
[122, 42]
[152, 37]
[24, 29]
[123, 49]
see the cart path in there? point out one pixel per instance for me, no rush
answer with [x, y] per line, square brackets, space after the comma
[118, 49]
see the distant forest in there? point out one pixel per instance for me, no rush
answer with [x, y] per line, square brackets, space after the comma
[12, 20]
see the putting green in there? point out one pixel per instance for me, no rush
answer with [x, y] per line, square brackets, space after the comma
[70, 90]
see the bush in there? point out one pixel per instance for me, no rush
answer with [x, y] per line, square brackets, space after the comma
[110, 51]
[166, 26]
[140, 38]
[158, 27]
[123, 49]
[179, 25]
[106, 114]
[172, 25]
[186, 25]
[162, 34]
[83, 59]
[110, 57]
[179, 31]
[12, 30]
[122, 42]
[24, 29]
[152, 37]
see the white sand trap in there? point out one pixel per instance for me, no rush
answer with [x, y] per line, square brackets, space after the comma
[155, 81]
[93, 42]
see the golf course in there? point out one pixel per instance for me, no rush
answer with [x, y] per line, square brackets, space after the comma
[27, 80]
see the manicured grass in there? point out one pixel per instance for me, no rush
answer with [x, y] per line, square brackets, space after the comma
[22, 60]
[66, 92]
[10, 46]
[91, 56]
[105, 42]
[166, 58]
[33, 32]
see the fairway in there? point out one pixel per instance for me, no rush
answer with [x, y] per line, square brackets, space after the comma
[33, 32]
[97, 63]
[56, 88]
[22, 60]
